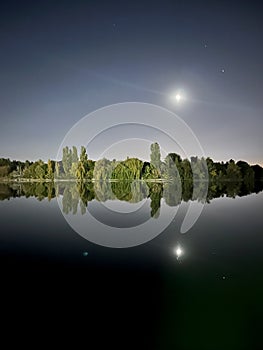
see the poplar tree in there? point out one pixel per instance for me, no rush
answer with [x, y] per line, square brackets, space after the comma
[156, 155]
[82, 168]
[50, 174]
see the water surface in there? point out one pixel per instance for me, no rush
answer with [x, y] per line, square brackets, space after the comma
[209, 297]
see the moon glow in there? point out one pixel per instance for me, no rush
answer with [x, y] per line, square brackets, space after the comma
[177, 97]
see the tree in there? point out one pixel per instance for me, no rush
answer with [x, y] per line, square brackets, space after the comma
[67, 160]
[247, 172]
[199, 168]
[258, 171]
[50, 172]
[187, 170]
[74, 162]
[40, 170]
[75, 157]
[211, 167]
[233, 172]
[149, 171]
[82, 167]
[103, 170]
[73, 170]
[156, 156]
[91, 166]
[57, 169]
[171, 172]
[130, 169]
[80, 172]
[4, 170]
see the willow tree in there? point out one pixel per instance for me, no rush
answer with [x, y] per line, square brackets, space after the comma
[130, 169]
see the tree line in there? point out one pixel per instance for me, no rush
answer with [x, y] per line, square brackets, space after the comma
[79, 167]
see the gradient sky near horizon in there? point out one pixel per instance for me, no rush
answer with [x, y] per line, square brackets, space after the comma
[62, 60]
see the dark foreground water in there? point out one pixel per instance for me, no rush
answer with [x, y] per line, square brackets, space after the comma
[54, 282]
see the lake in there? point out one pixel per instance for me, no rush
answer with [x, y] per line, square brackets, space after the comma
[198, 290]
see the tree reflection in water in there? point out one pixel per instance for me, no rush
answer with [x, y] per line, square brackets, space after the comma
[79, 194]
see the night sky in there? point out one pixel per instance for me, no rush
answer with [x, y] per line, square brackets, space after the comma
[61, 60]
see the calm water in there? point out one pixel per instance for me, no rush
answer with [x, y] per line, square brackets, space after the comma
[210, 297]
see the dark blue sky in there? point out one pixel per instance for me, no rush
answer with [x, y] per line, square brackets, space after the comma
[61, 60]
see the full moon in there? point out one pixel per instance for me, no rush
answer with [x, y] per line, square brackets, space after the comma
[177, 97]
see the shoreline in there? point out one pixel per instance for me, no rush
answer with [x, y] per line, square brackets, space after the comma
[22, 181]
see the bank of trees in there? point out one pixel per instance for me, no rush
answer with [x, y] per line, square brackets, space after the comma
[172, 168]
[71, 166]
